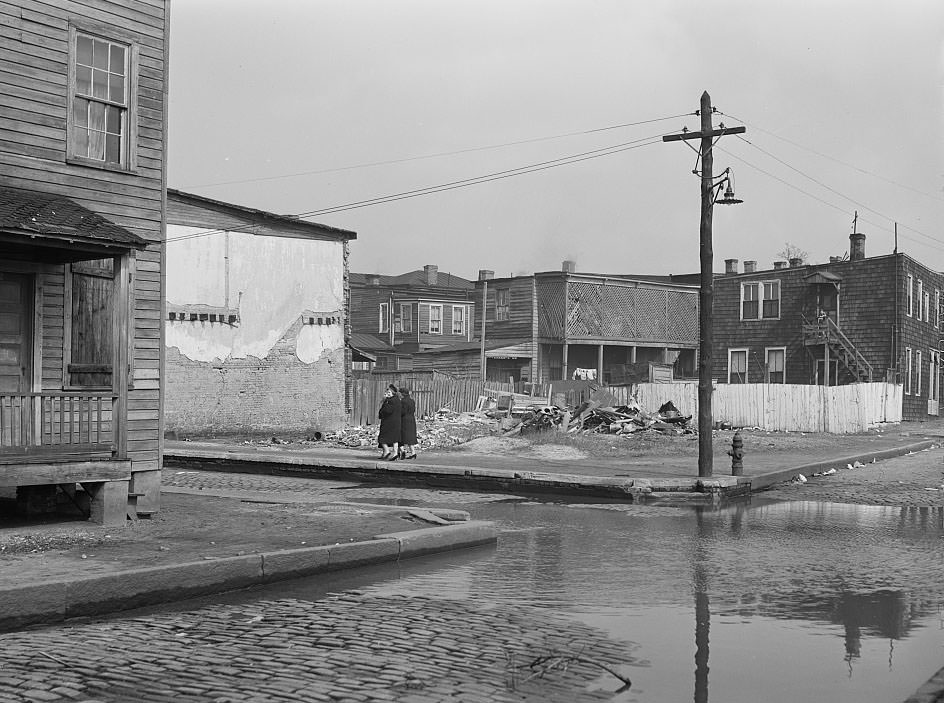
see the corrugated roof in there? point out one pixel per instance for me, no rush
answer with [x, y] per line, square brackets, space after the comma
[33, 213]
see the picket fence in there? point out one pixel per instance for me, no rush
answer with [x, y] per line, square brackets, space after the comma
[775, 407]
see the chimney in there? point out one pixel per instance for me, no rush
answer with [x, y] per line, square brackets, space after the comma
[750, 266]
[856, 246]
[730, 266]
[780, 265]
[373, 280]
[486, 275]
[432, 274]
[568, 266]
[835, 259]
[796, 262]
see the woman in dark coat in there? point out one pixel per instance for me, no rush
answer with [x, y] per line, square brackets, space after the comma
[389, 436]
[407, 425]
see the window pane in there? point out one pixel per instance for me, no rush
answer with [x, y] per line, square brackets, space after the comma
[97, 116]
[80, 134]
[112, 120]
[116, 88]
[100, 54]
[750, 310]
[99, 84]
[117, 63]
[771, 308]
[96, 145]
[80, 112]
[83, 80]
[113, 148]
[83, 50]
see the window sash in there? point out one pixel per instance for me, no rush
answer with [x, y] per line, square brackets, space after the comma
[776, 365]
[910, 295]
[100, 98]
[920, 296]
[737, 366]
[750, 309]
[435, 319]
[383, 323]
[501, 304]
[919, 366]
[908, 370]
[406, 317]
[458, 319]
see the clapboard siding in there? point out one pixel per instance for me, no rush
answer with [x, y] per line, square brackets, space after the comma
[520, 307]
[34, 67]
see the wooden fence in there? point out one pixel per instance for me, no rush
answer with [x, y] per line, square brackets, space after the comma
[793, 408]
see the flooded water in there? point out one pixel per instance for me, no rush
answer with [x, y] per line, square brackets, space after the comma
[780, 602]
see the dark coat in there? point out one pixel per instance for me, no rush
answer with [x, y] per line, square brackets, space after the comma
[407, 421]
[389, 421]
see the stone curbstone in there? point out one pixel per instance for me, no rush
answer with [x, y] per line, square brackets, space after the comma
[374, 551]
[294, 563]
[159, 584]
[25, 605]
[429, 540]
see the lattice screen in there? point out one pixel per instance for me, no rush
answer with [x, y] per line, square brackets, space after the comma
[550, 308]
[622, 312]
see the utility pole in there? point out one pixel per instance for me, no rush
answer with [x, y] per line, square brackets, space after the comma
[709, 191]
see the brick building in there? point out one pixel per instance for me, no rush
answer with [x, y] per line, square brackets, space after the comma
[848, 320]
[257, 321]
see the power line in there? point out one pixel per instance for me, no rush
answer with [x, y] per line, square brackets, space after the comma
[452, 185]
[440, 154]
[937, 243]
[840, 162]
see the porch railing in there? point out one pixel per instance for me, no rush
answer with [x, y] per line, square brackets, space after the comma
[56, 422]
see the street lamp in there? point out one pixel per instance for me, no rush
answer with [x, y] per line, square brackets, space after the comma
[710, 188]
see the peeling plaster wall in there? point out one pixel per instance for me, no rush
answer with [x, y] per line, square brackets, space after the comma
[270, 372]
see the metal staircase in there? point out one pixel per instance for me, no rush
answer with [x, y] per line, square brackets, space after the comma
[826, 332]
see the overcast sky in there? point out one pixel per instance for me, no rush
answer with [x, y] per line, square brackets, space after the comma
[295, 106]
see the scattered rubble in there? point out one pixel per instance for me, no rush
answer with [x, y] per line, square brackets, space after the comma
[590, 417]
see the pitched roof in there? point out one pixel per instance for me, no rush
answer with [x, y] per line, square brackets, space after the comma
[52, 216]
[416, 279]
[368, 342]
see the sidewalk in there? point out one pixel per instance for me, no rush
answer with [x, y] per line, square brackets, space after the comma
[643, 479]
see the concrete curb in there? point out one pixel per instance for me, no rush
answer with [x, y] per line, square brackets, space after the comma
[52, 601]
[649, 490]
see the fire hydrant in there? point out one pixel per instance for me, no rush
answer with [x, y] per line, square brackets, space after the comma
[737, 455]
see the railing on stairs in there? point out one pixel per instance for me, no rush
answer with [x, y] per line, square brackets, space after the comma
[826, 331]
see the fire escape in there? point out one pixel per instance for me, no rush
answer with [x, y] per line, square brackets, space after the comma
[826, 333]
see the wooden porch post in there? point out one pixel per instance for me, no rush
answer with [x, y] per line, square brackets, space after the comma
[600, 364]
[564, 353]
[121, 354]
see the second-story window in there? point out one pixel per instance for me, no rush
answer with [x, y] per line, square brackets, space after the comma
[927, 306]
[909, 294]
[501, 304]
[458, 319]
[920, 296]
[435, 319]
[406, 317]
[384, 318]
[760, 300]
[100, 98]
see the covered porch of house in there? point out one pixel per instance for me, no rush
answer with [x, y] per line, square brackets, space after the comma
[66, 288]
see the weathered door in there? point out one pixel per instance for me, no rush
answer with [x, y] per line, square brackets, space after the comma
[15, 332]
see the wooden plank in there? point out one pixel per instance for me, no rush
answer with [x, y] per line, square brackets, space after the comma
[72, 471]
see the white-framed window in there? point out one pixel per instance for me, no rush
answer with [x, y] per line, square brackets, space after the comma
[760, 300]
[934, 375]
[909, 296]
[908, 361]
[927, 306]
[101, 100]
[937, 307]
[435, 319]
[737, 365]
[406, 317]
[458, 319]
[383, 318]
[776, 364]
[919, 367]
[920, 296]
[501, 304]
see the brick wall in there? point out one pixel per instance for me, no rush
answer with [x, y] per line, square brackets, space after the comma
[276, 395]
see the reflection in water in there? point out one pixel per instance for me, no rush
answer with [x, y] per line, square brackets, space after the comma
[802, 601]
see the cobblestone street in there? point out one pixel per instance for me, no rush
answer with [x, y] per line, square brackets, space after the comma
[349, 647]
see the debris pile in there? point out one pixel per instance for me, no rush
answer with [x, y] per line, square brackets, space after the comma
[590, 417]
[444, 429]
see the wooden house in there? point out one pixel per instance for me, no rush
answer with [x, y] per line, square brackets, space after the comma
[562, 324]
[257, 321]
[83, 105]
[850, 320]
[414, 311]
